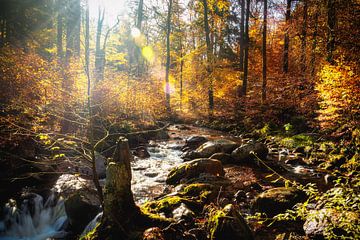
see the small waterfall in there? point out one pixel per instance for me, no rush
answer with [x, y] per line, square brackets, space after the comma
[34, 219]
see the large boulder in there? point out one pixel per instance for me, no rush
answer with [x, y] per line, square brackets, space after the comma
[81, 199]
[228, 224]
[195, 168]
[245, 152]
[224, 158]
[277, 200]
[194, 142]
[80, 210]
[322, 223]
[209, 148]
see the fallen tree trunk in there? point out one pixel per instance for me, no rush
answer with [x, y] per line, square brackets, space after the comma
[137, 138]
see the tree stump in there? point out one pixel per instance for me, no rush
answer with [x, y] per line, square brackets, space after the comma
[122, 218]
[119, 205]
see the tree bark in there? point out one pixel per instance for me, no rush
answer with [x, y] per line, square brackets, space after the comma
[246, 50]
[242, 37]
[77, 27]
[181, 72]
[137, 48]
[99, 53]
[331, 22]
[59, 39]
[264, 72]
[209, 49]
[119, 205]
[286, 37]
[314, 43]
[303, 39]
[167, 71]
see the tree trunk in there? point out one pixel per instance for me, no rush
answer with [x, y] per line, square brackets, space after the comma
[91, 117]
[59, 42]
[314, 43]
[119, 205]
[303, 39]
[286, 37]
[181, 72]
[69, 34]
[168, 31]
[242, 37]
[209, 49]
[246, 50]
[77, 27]
[263, 92]
[99, 54]
[137, 48]
[331, 22]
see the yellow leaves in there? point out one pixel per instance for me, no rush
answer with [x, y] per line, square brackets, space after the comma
[117, 58]
[339, 91]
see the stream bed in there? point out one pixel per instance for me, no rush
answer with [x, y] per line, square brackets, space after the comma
[39, 219]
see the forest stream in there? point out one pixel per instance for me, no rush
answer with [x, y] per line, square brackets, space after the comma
[37, 218]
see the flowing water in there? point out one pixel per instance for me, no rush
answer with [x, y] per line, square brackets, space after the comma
[34, 219]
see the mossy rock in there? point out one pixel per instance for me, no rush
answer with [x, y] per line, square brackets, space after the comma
[224, 158]
[201, 192]
[167, 204]
[195, 168]
[228, 224]
[277, 200]
[246, 152]
[211, 147]
[328, 222]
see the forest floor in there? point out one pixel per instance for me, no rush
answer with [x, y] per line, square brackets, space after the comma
[196, 201]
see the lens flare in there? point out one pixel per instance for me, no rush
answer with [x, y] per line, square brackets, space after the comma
[135, 32]
[169, 88]
[148, 53]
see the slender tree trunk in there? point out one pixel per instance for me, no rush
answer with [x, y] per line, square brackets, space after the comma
[168, 31]
[137, 48]
[264, 72]
[242, 37]
[314, 43]
[246, 50]
[209, 49]
[99, 54]
[303, 39]
[59, 43]
[69, 35]
[77, 27]
[3, 30]
[91, 117]
[181, 73]
[331, 22]
[286, 37]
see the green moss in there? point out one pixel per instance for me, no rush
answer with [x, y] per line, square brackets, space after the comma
[166, 205]
[215, 219]
[300, 140]
[93, 234]
[176, 174]
[196, 189]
